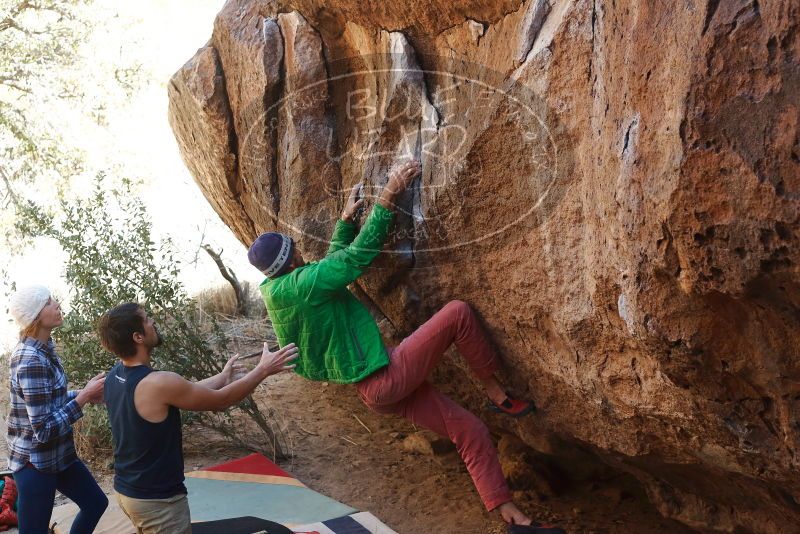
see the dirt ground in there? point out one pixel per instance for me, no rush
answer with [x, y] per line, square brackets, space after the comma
[338, 447]
[414, 493]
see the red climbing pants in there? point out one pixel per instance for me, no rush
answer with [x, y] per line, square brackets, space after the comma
[402, 388]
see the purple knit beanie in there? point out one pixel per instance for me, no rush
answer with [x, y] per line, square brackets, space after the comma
[271, 253]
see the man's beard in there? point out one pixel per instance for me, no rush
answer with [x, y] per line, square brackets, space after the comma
[159, 339]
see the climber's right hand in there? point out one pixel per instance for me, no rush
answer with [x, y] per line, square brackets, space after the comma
[399, 179]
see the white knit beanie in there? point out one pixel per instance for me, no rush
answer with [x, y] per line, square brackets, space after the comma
[27, 303]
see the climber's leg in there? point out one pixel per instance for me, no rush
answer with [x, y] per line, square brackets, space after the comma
[401, 387]
[429, 408]
[415, 357]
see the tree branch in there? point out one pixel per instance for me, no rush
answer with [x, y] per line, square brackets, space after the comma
[19, 8]
[12, 84]
[10, 22]
[228, 275]
[10, 191]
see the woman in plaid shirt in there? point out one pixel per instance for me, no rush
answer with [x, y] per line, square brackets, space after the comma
[41, 449]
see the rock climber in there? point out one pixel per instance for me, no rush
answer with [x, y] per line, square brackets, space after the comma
[309, 305]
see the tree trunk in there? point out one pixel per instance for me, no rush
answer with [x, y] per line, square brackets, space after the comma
[227, 274]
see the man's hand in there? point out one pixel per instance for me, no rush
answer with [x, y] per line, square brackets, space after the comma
[353, 205]
[399, 179]
[92, 392]
[233, 370]
[275, 362]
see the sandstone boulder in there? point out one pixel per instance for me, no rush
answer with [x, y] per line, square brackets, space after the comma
[614, 186]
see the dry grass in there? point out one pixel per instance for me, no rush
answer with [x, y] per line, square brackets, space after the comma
[221, 300]
[247, 332]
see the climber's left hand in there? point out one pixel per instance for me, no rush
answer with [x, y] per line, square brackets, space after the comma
[353, 204]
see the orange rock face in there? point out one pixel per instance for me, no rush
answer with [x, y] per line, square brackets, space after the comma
[614, 186]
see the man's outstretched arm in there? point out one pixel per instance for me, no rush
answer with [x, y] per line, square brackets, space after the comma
[174, 390]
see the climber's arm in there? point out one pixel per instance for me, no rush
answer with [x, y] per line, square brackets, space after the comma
[339, 269]
[345, 230]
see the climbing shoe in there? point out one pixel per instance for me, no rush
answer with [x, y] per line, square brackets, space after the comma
[513, 407]
[534, 528]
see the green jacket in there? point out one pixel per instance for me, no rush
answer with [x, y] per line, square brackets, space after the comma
[311, 306]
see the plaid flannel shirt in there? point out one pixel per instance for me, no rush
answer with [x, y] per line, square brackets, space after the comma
[42, 409]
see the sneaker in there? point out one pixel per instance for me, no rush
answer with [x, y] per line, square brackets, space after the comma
[535, 528]
[513, 407]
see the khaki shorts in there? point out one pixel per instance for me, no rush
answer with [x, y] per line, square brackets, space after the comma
[157, 516]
